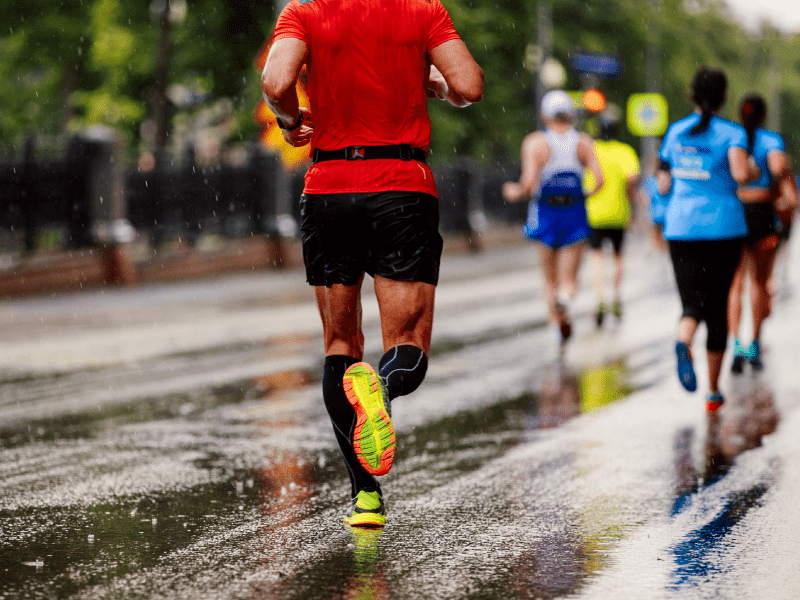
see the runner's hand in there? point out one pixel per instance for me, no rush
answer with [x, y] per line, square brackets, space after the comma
[437, 87]
[755, 171]
[512, 191]
[302, 135]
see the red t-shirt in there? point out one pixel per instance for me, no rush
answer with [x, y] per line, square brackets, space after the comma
[367, 69]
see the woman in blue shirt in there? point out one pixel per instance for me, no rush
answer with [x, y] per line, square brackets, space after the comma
[703, 161]
[776, 183]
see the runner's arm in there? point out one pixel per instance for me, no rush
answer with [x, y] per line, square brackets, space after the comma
[278, 80]
[632, 187]
[664, 178]
[589, 160]
[461, 81]
[535, 154]
[780, 167]
[743, 167]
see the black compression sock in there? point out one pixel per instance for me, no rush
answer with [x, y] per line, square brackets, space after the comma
[403, 368]
[343, 417]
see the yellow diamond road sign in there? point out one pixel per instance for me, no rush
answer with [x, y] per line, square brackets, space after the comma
[647, 114]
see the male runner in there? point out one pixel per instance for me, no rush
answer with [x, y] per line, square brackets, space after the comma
[553, 163]
[609, 210]
[370, 202]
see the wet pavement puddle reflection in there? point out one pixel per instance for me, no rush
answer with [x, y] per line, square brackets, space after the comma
[708, 494]
[261, 495]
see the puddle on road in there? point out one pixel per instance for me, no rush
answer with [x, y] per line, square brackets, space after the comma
[449, 345]
[563, 394]
[62, 551]
[86, 546]
[89, 424]
[749, 415]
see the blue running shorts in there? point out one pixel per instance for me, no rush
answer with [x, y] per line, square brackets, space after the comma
[556, 226]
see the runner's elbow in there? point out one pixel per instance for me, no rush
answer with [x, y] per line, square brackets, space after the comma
[469, 87]
[274, 88]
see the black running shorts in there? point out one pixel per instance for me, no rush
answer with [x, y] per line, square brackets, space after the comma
[615, 234]
[390, 234]
[762, 222]
[704, 272]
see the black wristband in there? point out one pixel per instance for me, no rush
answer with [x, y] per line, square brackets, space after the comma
[293, 127]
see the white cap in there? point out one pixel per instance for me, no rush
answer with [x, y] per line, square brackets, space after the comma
[557, 102]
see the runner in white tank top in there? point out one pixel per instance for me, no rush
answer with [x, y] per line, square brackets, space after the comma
[552, 165]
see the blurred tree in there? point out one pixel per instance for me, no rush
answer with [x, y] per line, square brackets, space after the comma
[44, 52]
[70, 63]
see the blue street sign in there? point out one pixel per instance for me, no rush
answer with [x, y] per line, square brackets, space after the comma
[595, 63]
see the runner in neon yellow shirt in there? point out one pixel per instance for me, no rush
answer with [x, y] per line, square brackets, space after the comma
[609, 211]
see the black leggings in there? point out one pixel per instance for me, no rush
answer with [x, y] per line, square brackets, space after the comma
[704, 271]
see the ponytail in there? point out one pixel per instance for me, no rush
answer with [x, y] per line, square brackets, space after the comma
[752, 111]
[708, 93]
[705, 118]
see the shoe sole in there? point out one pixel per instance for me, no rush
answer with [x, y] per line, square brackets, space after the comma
[714, 405]
[374, 439]
[366, 521]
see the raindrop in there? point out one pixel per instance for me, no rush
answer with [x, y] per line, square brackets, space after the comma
[35, 563]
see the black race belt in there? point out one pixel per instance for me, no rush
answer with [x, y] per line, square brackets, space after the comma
[397, 151]
[560, 200]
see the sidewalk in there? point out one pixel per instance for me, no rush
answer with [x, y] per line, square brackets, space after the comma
[70, 271]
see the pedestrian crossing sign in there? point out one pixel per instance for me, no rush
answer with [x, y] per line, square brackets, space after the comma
[647, 114]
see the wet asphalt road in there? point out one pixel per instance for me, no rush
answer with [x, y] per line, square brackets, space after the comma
[171, 442]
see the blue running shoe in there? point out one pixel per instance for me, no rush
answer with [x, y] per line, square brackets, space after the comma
[714, 401]
[685, 367]
[739, 358]
[753, 354]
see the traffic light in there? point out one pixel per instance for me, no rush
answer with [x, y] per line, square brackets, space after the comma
[594, 100]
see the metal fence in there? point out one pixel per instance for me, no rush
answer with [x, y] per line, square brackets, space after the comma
[65, 202]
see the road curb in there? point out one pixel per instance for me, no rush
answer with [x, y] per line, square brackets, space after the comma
[123, 265]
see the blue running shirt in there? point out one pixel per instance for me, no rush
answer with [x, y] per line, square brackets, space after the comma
[765, 142]
[703, 203]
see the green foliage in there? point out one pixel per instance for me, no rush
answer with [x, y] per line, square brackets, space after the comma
[67, 64]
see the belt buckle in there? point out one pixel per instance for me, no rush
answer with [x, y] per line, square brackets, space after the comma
[405, 152]
[561, 200]
[355, 153]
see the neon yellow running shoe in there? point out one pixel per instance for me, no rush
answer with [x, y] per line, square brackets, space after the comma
[373, 436]
[367, 511]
